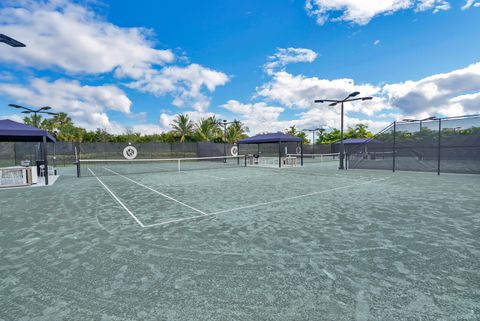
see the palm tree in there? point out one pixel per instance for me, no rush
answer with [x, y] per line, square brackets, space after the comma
[207, 129]
[35, 121]
[236, 131]
[182, 126]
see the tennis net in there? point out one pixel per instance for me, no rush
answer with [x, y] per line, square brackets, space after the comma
[106, 167]
[317, 158]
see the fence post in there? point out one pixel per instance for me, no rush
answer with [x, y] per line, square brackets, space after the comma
[14, 154]
[279, 154]
[394, 147]
[439, 143]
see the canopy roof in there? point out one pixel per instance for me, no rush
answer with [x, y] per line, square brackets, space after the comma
[11, 131]
[270, 138]
[355, 141]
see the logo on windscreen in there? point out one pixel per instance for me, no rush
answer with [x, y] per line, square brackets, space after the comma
[234, 151]
[130, 152]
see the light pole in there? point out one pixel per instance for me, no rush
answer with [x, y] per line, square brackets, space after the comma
[224, 123]
[313, 131]
[334, 102]
[34, 112]
[410, 120]
[10, 41]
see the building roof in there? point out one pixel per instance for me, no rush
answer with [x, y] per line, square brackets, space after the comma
[270, 138]
[11, 131]
[355, 141]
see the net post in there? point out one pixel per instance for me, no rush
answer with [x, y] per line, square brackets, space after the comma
[439, 143]
[178, 165]
[77, 163]
[301, 152]
[394, 134]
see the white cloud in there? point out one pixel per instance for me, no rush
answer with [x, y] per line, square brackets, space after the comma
[285, 56]
[452, 94]
[376, 42]
[260, 117]
[185, 82]
[362, 11]
[298, 91]
[257, 116]
[448, 94]
[87, 105]
[471, 3]
[69, 37]
[147, 129]
[14, 117]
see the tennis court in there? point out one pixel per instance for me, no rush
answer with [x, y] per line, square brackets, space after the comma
[242, 243]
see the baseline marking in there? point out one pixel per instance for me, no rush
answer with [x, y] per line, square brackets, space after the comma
[264, 203]
[157, 192]
[118, 200]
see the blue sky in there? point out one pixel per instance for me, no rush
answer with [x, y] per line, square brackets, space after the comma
[134, 65]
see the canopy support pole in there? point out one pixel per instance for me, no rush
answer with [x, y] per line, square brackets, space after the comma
[279, 154]
[301, 152]
[45, 159]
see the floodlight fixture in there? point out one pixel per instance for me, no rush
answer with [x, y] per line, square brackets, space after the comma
[354, 94]
[334, 102]
[10, 41]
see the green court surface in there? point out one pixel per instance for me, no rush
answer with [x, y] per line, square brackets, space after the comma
[243, 243]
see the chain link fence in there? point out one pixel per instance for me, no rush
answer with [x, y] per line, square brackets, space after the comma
[446, 145]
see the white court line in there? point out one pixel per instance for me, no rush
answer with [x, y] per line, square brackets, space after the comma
[117, 199]
[265, 203]
[155, 191]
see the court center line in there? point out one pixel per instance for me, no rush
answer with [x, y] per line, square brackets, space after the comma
[118, 200]
[157, 192]
[264, 203]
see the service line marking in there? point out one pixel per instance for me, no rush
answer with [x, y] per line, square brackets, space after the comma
[157, 192]
[118, 200]
[264, 203]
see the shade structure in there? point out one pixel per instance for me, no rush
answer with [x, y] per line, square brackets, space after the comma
[270, 138]
[278, 139]
[11, 131]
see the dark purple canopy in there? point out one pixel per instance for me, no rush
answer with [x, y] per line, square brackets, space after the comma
[11, 131]
[270, 138]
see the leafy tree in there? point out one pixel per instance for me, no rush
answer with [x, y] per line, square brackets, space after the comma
[359, 131]
[183, 127]
[292, 131]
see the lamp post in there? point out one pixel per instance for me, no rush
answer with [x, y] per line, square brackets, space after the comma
[410, 120]
[224, 123]
[10, 41]
[27, 110]
[313, 131]
[334, 102]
